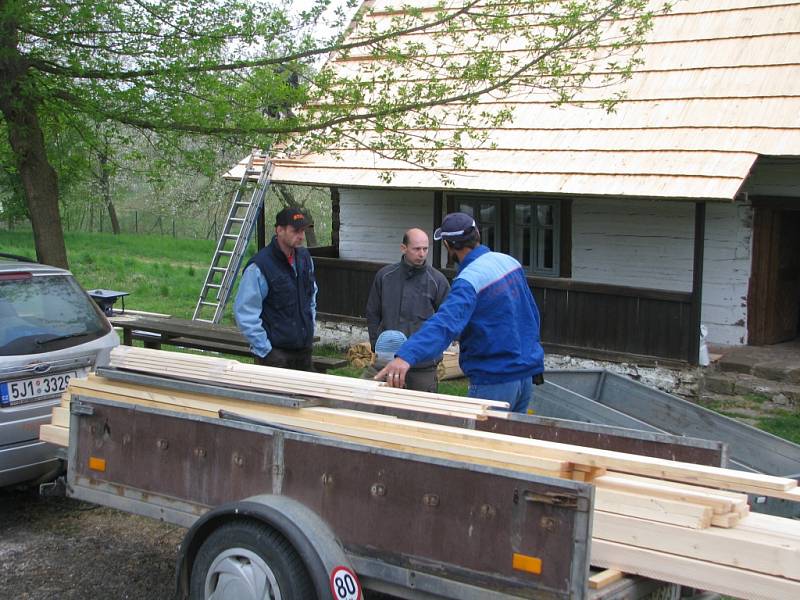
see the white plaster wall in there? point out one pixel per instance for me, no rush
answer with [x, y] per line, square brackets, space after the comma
[639, 243]
[373, 221]
[649, 244]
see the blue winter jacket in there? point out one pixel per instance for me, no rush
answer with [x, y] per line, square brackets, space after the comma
[491, 308]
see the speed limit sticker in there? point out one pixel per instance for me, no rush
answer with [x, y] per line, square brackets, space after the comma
[344, 584]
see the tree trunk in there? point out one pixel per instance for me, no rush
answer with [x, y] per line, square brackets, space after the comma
[39, 181]
[105, 186]
[288, 199]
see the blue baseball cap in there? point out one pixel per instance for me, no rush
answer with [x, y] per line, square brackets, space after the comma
[387, 344]
[455, 226]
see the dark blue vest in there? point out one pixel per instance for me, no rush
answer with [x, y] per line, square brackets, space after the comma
[286, 311]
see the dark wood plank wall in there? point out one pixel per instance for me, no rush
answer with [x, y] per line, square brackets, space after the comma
[592, 319]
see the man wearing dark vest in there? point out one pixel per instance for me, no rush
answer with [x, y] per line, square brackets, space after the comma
[276, 304]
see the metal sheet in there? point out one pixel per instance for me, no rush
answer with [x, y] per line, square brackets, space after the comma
[749, 447]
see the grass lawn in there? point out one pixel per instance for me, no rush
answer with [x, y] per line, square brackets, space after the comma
[162, 274]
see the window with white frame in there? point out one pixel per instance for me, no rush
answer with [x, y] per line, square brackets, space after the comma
[528, 229]
[534, 235]
[487, 216]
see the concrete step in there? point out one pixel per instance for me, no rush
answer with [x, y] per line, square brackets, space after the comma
[765, 367]
[740, 384]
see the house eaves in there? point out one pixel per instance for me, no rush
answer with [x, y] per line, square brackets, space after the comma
[719, 86]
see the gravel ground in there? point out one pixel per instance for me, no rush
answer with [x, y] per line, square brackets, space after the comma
[60, 548]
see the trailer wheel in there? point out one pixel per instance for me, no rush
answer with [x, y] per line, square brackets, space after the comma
[249, 561]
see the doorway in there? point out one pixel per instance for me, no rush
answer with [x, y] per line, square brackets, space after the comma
[774, 295]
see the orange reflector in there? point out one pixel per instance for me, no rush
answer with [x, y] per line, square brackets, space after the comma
[97, 464]
[531, 564]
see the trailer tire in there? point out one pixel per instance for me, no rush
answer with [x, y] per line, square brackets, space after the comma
[249, 561]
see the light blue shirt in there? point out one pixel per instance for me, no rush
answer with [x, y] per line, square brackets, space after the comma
[253, 288]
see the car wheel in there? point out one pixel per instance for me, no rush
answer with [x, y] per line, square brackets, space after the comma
[249, 561]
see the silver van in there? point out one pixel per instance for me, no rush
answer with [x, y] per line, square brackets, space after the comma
[50, 331]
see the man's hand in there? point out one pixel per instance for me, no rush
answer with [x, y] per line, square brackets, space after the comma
[394, 373]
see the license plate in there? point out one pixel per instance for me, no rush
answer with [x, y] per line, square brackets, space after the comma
[23, 391]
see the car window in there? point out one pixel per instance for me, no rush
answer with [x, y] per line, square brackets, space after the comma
[45, 313]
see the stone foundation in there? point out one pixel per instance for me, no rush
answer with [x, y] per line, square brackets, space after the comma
[341, 332]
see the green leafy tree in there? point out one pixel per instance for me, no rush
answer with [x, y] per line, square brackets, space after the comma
[257, 74]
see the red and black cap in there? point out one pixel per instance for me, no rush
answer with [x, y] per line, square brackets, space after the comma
[292, 216]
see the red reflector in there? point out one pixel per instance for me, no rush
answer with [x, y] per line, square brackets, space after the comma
[19, 276]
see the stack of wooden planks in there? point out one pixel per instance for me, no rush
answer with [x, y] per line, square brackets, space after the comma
[672, 521]
[234, 373]
[449, 367]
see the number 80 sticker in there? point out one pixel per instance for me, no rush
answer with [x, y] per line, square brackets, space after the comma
[344, 584]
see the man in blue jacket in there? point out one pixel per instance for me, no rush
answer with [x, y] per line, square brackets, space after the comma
[275, 306]
[491, 309]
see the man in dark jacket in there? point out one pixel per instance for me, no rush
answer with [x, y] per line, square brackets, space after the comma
[275, 306]
[492, 310]
[403, 296]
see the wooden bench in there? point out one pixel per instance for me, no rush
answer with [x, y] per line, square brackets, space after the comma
[322, 364]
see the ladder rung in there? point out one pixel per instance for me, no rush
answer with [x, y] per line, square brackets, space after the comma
[213, 285]
[237, 220]
[228, 252]
[204, 320]
[204, 303]
[242, 203]
[230, 235]
[223, 269]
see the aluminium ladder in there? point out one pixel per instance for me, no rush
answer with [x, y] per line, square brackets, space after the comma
[233, 239]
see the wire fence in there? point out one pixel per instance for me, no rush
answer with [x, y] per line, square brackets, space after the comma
[138, 221]
[186, 225]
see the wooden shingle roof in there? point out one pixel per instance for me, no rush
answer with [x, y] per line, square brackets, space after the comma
[719, 85]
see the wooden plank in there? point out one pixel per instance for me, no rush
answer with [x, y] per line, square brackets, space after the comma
[722, 546]
[720, 504]
[604, 578]
[341, 427]
[54, 435]
[284, 380]
[683, 514]
[60, 416]
[363, 390]
[739, 583]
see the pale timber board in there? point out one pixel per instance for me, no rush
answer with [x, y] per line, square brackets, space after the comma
[714, 544]
[755, 523]
[607, 459]
[60, 416]
[660, 468]
[381, 396]
[721, 505]
[678, 513]
[176, 363]
[54, 435]
[305, 419]
[703, 575]
[604, 578]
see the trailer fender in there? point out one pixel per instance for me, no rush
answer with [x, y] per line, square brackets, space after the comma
[310, 536]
